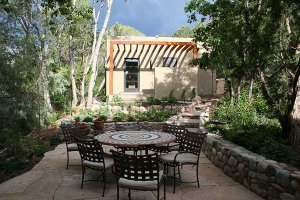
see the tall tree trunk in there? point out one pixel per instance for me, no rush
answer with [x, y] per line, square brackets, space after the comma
[96, 54]
[44, 77]
[231, 91]
[292, 128]
[250, 90]
[82, 87]
[239, 87]
[71, 58]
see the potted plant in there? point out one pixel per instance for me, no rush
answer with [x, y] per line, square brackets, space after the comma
[99, 122]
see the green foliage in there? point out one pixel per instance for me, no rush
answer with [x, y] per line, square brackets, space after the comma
[119, 116]
[250, 127]
[193, 93]
[123, 30]
[183, 93]
[87, 119]
[154, 101]
[10, 166]
[184, 31]
[171, 97]
[102, 117]
[54, 140]
[53, 117]
[116, 100]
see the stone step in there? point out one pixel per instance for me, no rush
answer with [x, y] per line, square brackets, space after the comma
[201, 107]
[191, 115]
[189, 123]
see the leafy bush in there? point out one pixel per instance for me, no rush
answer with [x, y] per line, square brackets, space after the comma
[102, 117]
[116, 100]
[54, 140]
[250, 126]
[131, 118]
[154, 101]
[87, 119]
[119, 116]
[183, 93]
[172, 99]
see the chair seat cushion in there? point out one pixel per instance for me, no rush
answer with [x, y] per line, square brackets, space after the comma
[184, 158]
[72, 147]
[140, 185]
[99, 165]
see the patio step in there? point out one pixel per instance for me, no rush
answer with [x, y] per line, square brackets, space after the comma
[189, 123]
[201, 107]
[191, 115]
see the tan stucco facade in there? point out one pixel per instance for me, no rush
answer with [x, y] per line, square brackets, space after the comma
[155, 79]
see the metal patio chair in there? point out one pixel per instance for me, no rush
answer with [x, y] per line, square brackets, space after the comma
[70, 131]
[138, 172]
[93, 157]
[188, 154]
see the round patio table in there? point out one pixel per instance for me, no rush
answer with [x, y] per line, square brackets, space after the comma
[135, 139]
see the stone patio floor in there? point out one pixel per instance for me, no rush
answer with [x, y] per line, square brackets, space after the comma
[50, 179]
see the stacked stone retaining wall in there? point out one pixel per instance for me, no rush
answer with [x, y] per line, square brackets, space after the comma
[267, 178]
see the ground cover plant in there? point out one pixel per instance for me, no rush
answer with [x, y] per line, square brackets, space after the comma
[251, 125]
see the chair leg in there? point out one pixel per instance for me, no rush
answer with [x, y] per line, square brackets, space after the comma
[82, 177]
[67, 159]
[104, 182]
[118, 191]
[165, 188]
[129, 195]
[197, 173]
[158, 192]
[174, 167]
[178, 168]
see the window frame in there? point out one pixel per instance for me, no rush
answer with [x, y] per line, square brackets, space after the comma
[137, 72]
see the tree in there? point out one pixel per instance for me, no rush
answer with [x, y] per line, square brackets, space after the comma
[96, 47]
[184, 31]
[256, 40]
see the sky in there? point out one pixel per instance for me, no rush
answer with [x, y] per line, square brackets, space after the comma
[151, 17]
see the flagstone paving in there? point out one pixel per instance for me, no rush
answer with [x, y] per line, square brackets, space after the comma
[50, 179]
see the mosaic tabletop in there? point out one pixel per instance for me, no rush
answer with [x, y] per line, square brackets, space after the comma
[135, 138]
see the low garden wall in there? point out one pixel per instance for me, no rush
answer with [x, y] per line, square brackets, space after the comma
[267, 178]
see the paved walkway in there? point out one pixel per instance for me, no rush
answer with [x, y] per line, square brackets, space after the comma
[49, 179]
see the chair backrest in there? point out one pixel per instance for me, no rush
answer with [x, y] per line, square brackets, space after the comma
[192, 143]
[128, 126]
[90, 150]
[71, 131]
[177, 130]
[136, 167]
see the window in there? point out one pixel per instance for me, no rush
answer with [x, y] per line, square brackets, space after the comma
[131, 74]
[169, 62]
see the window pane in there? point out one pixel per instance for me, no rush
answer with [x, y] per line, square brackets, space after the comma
[131, 80]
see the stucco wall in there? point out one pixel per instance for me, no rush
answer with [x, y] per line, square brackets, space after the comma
[176, 79]
[154, 78]
[206, 82]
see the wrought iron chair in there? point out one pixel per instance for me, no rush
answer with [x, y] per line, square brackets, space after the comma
[70, 131]
[93, 157]
[138, 172]
[178, 131]
[188, 154]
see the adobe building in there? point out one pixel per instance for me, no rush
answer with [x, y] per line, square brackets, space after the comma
[138, 67]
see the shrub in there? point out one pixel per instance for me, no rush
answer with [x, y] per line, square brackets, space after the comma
[251, 127]
[183, 93]
[172, 99]
[119, 116]
[87, 119]
[102, 118]
[54, 140]
[116, 100]
[154, 101]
